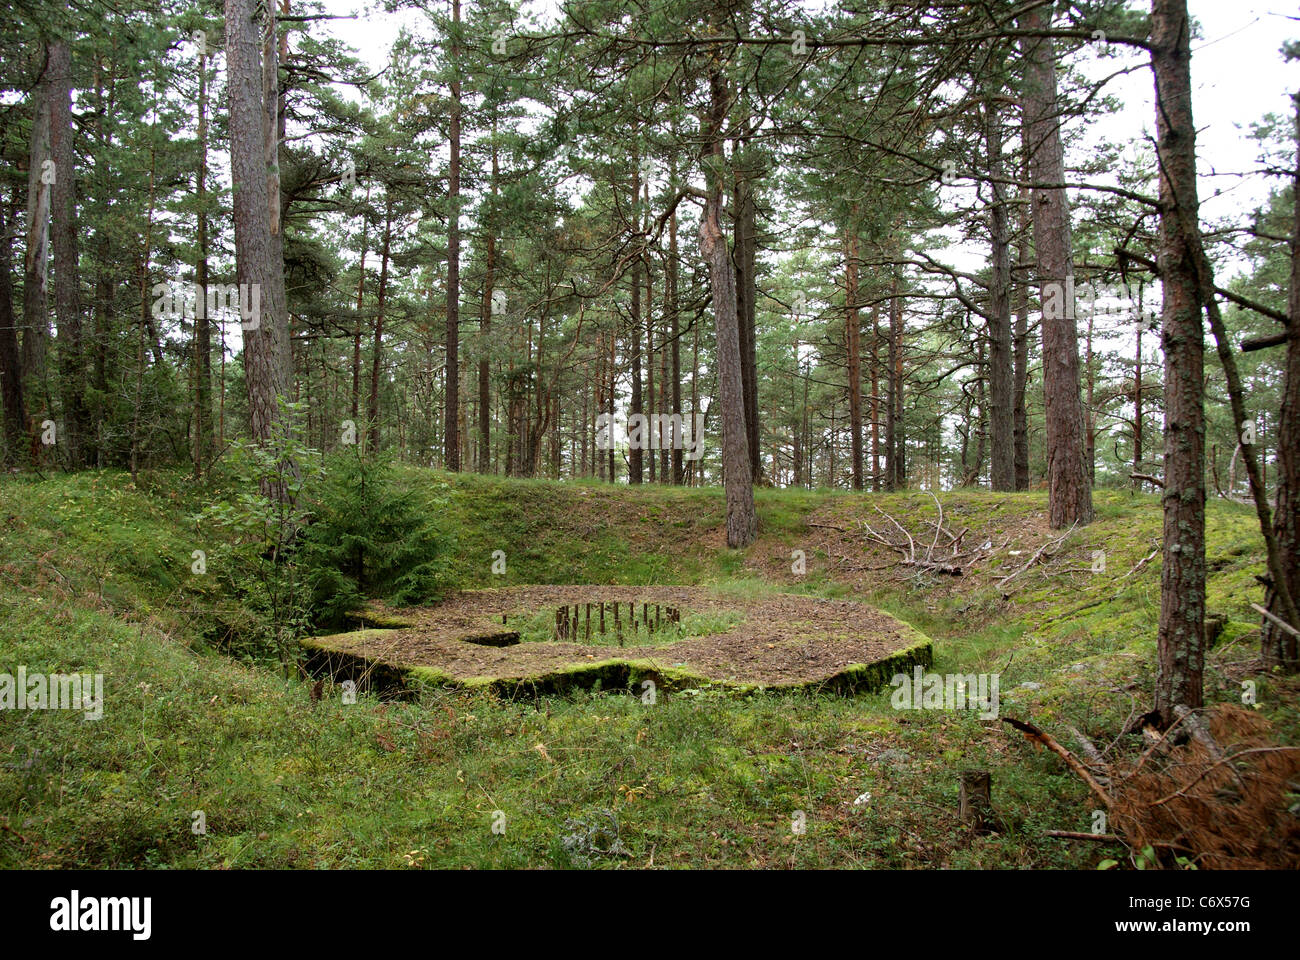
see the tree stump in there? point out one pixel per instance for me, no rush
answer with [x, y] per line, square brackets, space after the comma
[976, 800]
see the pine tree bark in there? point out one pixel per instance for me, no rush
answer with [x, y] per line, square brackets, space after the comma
[485, 322]
[264, 374]
[11, 372]
[202, 322]
[1279, 648]
[355, 399]
[895, 442]
[1069, 493]
[1020, 414]
[670, 293]
[611, 383]
[654, 435]
[67, 278]
[451, 419]
[36, 259]
[1000, 366]
[876, 478]
[744, 256]
[742, 521]
[853, 346]
[1138, 413]
[1181, 632]
[635, 456]
[273, 105]
[372, 408]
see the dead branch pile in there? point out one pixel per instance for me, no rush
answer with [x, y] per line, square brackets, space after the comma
[1223, 798]
[942, 553]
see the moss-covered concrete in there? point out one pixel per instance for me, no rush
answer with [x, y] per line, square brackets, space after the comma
[349, 656]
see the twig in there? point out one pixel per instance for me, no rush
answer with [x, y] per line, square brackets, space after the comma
[1071, 761]
[938, 527]
[1208, 770]
[1034, 559]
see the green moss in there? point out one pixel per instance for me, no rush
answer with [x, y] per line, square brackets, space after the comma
[337, 652]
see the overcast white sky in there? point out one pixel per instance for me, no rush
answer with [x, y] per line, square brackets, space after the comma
[1238, 76]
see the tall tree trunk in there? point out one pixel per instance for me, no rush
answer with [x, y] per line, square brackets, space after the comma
[451, 442]
[1089, 416]
[695, 470]
[1278, 647]
[372, 409]
[485, 321]
[202, 322]
[670, 293]
[635, 461]
[652, 434]
[598, 455]
[104, 280]
[1181, 633]
[11, 372]
[67, 281]
[980, 423]
[665, 440]
[744, 257]
[36, 260]
[265, 375]
[876, 478]
[1020, 414]
[361, 293]
[742, 520]
[1069, 493]
[853, 346]
[273, 104]
[1000, 368]
[609, 398]
[895, 441]
[145, 248]
[1138, 413]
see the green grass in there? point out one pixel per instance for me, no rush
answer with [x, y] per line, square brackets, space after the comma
[539, 627]
[95, 577]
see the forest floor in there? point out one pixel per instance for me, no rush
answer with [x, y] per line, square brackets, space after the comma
[95, 577]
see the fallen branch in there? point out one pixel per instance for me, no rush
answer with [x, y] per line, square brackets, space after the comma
[1282, 624]
[1075, 835]
[1154, 481]
[1033, 734]
[1089, 750]
[1141, 563]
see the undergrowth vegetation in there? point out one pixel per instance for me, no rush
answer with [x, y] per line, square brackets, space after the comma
[97, 575]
